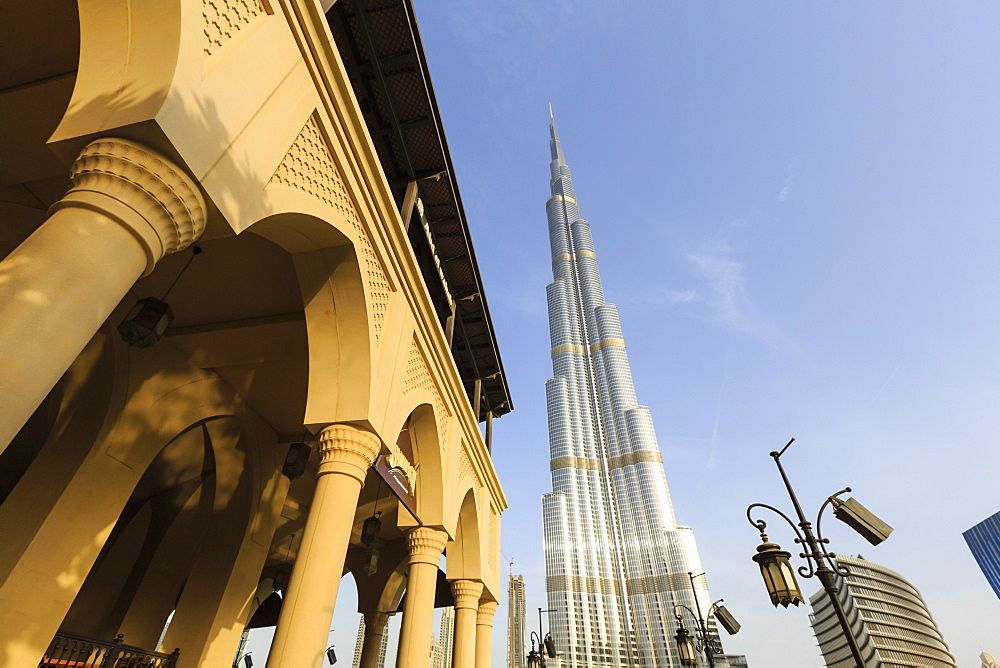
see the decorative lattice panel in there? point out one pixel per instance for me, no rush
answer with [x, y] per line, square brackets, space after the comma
[309, 166]
[418, 376]
[225, 18]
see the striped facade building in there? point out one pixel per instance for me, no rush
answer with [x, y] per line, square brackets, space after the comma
[984, 542]
[616, 561]
[890, 620]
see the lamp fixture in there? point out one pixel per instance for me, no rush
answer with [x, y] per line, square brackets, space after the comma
[149, 318]
[685, 647]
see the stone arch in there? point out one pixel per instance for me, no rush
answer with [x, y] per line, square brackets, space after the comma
[337, 316]
[419, 416]
[165, 398]
[464, 553]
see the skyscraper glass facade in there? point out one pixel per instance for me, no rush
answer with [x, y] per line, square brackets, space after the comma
[984, 541]
[616, 561]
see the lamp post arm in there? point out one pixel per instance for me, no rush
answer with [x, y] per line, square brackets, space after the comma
[841, 570]
[806, 571]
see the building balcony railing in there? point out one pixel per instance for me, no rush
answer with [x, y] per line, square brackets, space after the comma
[79, 652]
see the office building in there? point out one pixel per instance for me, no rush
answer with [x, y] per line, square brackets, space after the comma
[984, 541]
[890, 620]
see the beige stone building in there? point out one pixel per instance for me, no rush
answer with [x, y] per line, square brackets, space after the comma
[316, 403]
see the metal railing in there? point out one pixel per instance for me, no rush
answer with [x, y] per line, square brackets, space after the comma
[72, 651]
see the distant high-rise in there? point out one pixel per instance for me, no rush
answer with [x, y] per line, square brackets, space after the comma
[984, 541]
[447, 636]
[437, 653]
[616, 561]
[890, 620]
[516, 655]
[359, 645]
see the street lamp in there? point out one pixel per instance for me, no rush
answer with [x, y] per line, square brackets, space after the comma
[686, 647]
[777, 571]
[534, 658]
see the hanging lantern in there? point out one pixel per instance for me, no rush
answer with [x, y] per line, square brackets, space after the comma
[148, 320]
[331, 656]
[370, 530]
[296, 460]
[685, 647]
[146, 323]
[778, 574]
[371, 561]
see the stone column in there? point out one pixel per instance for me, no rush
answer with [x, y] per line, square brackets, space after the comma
[127, 207]
[346, 454]
[426, 546]
[484, 633]
[375, 623]
[466, 594]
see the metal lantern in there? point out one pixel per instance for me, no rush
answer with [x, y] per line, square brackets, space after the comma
[296, 461]
[146, 323]
[371, 561]
[370, 530]
[685, 647]
[331, 655]
[778, 574]
[534, 659]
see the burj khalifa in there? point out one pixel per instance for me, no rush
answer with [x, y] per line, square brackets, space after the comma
[616, 561]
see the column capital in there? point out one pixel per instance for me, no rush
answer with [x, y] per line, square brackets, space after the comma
[426, 545]
[376, 620]
[347, 449]
[487, 609]
[466, 593]
[144, 191]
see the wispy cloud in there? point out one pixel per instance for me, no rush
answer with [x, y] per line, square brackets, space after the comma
[719, 265]
[786, 190]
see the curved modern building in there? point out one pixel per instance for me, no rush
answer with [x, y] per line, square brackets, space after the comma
[890, 620]
[616, 560]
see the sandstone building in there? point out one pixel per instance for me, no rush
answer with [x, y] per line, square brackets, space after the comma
[321, 401]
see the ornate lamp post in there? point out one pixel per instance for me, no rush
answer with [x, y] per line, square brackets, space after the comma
[686, 647]
[534, 657]
[777, 571]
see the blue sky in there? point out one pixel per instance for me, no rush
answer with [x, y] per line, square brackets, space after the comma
[795, 208]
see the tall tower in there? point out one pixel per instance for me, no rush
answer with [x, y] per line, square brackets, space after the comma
[516, 655]
[616, 561]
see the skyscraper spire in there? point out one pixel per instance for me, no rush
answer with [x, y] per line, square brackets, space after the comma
[612, 599]
[555, 146]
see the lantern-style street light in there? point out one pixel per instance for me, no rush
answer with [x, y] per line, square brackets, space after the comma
[778, 574]
[535, 657]
[686, 647]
